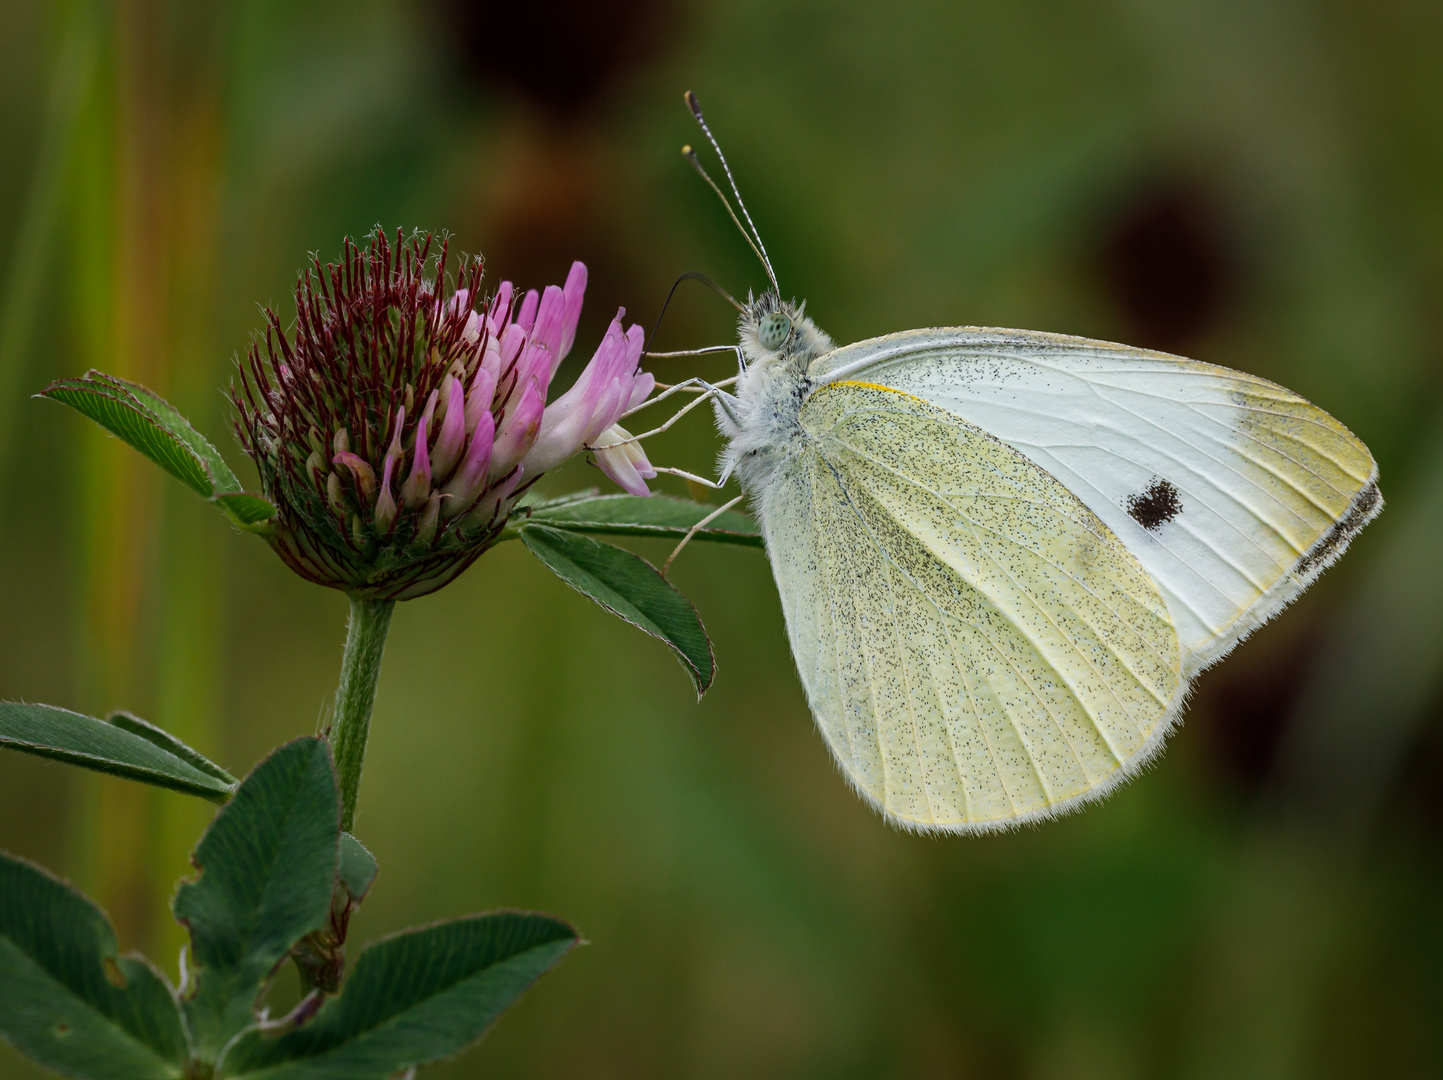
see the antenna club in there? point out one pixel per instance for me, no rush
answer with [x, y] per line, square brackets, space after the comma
[687, 151]
[692, 103]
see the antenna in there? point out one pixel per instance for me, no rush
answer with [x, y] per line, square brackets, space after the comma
[690, 275]
[754, 238]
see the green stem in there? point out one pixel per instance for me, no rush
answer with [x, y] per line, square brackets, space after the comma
[360, 668]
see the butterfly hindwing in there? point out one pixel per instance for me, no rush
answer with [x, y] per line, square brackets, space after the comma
[977, 646]
[1232, 492]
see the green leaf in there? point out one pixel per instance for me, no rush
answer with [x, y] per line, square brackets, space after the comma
[246, 510]
[150, 424]
[66, 998]
[267, 870]
[358, 868]
[416, 997]
[659, 515]
[170, 744]
[630, 587]
[120, 412]
[137, 751]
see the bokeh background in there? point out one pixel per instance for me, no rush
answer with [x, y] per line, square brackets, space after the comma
[1253, 182]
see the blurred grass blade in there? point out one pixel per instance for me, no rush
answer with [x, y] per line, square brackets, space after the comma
[40, 215]
[67, 999]
[150, 424]
[153, 758]
[630, 587]
[170, 744]
[267, 870]
[659, 515]
[416, 997]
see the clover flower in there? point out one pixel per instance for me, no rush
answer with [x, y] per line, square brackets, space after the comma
[396, 427]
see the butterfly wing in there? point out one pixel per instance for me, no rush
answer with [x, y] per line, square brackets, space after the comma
[1232, 492]
[977, 646]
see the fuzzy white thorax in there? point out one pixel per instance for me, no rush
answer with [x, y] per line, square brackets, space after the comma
[769, 392]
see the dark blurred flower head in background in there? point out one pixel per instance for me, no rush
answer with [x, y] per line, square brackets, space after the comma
[398, 424]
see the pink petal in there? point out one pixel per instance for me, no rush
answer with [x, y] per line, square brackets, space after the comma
[624, 462]
[470, 478]
[575, 291]
[518, 431]
[499, 313]
[452, 438]
[526, 317]
[486, 509]
[549, 319]
[478, 401]
[385, 504]
[641, 387]
[418, 485]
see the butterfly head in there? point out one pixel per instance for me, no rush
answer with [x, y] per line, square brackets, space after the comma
[773, 329]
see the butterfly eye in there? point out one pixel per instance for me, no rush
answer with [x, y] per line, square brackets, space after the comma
[774, 330]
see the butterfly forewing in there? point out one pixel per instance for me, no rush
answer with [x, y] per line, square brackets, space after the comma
[1232, 492]
[977, 646]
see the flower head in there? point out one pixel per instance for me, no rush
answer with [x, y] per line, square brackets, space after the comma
[396, 426]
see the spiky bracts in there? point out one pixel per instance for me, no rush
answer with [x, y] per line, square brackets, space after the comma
[396, 426]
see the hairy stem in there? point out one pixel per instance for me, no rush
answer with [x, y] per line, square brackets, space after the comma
[351, 722]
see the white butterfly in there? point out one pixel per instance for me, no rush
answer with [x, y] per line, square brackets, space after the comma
[1004, 555]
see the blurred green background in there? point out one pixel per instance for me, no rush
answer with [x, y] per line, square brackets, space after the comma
[1257, 183]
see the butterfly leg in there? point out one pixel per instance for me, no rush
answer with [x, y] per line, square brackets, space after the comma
[741, 359]
[693, 386]
[703, 523]
[728, 404]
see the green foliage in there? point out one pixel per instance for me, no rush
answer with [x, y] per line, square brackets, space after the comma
[630, 587]
[357, 870]
[274, 869]
[153, 426]
[170, 744]
[413, 998]
[66, 998]
[659, 515]
[127, 746]
[267, 871]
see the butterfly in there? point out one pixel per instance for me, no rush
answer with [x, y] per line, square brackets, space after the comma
[1003, 556]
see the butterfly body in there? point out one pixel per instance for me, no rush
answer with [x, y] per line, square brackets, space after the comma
[1003, 555]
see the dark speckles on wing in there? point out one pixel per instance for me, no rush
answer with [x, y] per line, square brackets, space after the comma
[1156, 506]
[1364, 508]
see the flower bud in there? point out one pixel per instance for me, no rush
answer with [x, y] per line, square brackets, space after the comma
[382, 500]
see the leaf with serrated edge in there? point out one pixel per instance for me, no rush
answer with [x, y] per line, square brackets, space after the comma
[222, 479]
[630, 587]
[123, 415]
[413, 998]
[93, 744]
[67, 999]
[267, 870]
[155, 427]
[659, 515]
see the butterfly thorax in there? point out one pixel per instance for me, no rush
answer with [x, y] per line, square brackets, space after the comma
[770, 392]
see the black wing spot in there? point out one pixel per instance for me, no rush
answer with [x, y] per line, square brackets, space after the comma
[1156, 506]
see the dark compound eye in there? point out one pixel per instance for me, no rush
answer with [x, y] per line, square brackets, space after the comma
[774, 330]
